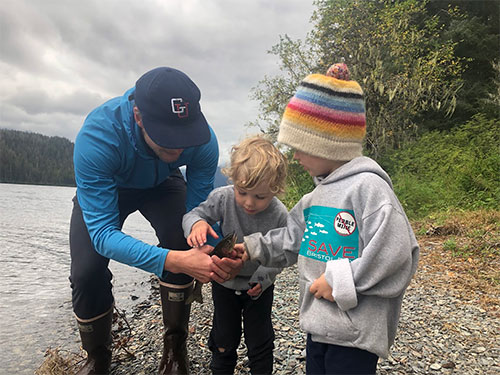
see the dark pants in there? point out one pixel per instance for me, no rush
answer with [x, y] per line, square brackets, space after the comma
[225, 336]
[163, 206]
[333, 359]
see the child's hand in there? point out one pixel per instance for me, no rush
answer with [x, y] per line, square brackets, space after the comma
[255, 290]
[321, 289]
[241, 251]
[198, 235]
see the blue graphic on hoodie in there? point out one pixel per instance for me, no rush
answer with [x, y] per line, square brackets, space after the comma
[330, 234]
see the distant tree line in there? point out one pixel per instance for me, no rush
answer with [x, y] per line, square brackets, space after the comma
[31, 158]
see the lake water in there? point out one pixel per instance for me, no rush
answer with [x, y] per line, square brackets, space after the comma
[35, 296]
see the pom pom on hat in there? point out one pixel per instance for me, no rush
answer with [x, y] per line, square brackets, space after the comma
[326, 116]
[339, 71]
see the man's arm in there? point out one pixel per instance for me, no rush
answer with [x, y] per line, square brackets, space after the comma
[95, 162]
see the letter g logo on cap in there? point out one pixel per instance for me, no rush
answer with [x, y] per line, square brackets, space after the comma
[180, 107]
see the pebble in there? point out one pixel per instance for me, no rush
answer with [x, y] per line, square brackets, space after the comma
[437, 333]
[435, 366]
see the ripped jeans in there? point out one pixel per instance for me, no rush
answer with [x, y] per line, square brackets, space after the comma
[229, 309]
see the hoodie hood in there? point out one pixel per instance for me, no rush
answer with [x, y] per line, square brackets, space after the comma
[356, 166]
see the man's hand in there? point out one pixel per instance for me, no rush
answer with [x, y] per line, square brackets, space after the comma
[241, 251]
[195, 262]
[225, 269]
[198, 235]
[321, 289]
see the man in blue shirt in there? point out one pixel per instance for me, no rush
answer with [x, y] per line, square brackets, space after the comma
[127, 157]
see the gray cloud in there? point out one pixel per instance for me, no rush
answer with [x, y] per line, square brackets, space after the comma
[59, 59]
[37, 101]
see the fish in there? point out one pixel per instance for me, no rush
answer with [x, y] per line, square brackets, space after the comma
[222, 249]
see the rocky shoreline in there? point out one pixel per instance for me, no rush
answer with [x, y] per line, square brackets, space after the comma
[450, 324]
[144, 336]
[440, 332]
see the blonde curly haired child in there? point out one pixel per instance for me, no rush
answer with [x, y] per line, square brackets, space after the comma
[257, 172]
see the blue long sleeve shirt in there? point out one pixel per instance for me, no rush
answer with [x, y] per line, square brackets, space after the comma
[110, 153]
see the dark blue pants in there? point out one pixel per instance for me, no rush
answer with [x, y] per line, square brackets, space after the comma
[229, 308]
[338, 360]
[163, 206]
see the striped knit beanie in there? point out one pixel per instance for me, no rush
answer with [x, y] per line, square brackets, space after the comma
[326, 116]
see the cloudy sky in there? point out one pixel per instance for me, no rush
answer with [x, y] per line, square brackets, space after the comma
[61, 58]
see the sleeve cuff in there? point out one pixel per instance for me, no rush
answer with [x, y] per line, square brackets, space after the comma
[161, 272]
[263, 279]
[339, 275]
[252, 248]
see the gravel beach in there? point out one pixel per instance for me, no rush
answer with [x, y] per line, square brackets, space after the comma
[443, 329]
[450, 323]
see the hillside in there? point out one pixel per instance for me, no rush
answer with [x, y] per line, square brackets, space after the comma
[30, 158]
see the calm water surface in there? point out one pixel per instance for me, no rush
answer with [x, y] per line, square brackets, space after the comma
[35, 296]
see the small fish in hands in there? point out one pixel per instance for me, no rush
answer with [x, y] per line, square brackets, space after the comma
[223, 249]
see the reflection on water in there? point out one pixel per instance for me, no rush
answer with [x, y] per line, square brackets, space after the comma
[35, 296]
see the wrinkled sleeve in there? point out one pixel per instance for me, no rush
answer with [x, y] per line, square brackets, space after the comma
[279, 247]
[210, 211]
[267, 275]
[95, 163]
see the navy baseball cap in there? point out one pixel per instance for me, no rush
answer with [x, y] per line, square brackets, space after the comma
[169, 102]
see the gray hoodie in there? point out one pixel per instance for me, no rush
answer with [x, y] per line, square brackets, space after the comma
[352, 228]
[221, 207]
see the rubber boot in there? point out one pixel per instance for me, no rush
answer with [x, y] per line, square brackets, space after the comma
[96, 340]
[175, 321]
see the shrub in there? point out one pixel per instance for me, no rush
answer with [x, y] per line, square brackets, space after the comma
[456, 169]
[299, 183]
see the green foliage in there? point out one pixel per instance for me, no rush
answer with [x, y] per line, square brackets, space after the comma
[424, 65]
[399, 55]
[450, 244]
[456, 249]
[457, 169]
[493, 99]
[299, 183]
[477, 38]
[35, 159]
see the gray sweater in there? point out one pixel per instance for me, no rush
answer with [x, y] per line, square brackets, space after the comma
[221, 207]
[352, 228]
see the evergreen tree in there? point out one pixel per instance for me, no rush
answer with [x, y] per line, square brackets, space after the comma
[32, 158]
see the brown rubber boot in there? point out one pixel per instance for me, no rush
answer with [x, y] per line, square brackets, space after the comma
[96, 340]
[175, 321]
